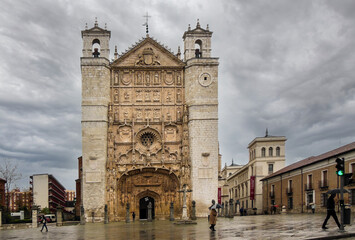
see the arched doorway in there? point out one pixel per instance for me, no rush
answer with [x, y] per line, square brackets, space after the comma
[143, 207]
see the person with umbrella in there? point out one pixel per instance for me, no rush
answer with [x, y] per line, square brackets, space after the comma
[331, 211]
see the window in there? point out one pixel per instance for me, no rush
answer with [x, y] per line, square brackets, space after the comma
[309, 182]
[271, 168]
[352, 197]
[289, 190]
[263, 152]
[352, 168]
[270, 151]
[323, 199]
[147, 139]
[278, 152]
[324, 181]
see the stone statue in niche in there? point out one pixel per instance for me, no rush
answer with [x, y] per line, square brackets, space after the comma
[126, 96]
[178, 79]
[178, 114]
[116, 116]
[168, 116]
[147, 79]
[147, 96]
[147, 113]
[116, 79]
[115, 98]
[125, 115]
[156, 78]
[139, 78]
[178, 95]
[168, 96]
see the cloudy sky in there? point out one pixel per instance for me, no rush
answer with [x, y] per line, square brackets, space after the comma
[285, 65]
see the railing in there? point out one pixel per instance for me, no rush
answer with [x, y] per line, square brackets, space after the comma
[323, 183]
[308, 186]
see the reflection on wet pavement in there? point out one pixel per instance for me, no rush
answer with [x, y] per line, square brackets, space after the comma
[296, 226]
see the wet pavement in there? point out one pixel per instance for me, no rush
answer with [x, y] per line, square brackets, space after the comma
[296, 226]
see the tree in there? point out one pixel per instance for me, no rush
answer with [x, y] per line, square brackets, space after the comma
[9, 172]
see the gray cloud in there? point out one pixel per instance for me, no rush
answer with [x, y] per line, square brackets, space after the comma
[285, 65]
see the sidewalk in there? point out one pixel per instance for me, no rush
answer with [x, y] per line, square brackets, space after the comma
[295, 226]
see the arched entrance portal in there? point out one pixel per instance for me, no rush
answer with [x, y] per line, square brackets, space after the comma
[143, 207]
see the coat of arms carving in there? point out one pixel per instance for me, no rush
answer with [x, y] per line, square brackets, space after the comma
[147, 58]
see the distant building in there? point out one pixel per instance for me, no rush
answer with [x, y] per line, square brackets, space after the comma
[306, 182]
[78, 188]
[69, 195]
[47, 192]
[242, 185]
[18, 199]
[2, 191]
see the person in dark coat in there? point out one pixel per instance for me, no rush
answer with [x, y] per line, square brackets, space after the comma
[133, 216]
[44, 222]
[331, 211]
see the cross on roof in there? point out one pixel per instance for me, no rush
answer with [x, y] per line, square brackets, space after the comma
[146, 22]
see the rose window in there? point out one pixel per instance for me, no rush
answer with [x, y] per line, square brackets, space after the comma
[147, 139]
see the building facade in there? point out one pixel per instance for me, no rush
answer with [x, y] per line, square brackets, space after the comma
[2, 192]
[69, 195]
[244, 188]
[304, 183]
[18, 200]
[149, 126]
[48, 192]
[78, 187]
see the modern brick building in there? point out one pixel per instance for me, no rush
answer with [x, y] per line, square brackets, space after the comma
[2, 192]
[78, 187]
[306, 182]
[69, 195]
[48, 192]
[18, 199]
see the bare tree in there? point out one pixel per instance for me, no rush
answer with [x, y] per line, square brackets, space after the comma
[9, 172]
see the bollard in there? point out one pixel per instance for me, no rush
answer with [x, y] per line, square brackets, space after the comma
[34, 216]
[59, 216]
[106, 215]
[127, 213]
[172, 211]
[149, 212]
[231, 215]
[193, 211]
[82, 215]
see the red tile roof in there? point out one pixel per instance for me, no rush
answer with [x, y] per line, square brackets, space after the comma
[313, 159]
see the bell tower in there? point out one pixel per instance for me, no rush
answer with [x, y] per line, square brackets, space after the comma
[201, 93]
[95, 71]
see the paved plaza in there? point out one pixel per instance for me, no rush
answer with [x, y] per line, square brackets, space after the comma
[295, 226]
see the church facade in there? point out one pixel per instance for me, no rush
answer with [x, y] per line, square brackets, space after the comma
[149, 126]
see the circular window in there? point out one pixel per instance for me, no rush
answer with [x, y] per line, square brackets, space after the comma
[205, 79]
[147, 139]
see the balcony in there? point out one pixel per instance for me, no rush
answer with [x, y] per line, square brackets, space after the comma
[272, 194]
[323, 184]
[289, 191]
[308, 186]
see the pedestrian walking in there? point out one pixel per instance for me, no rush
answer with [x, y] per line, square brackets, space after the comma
[241, 210]
[133, 216]
[331, 211]
[213, 214]
[44, 222]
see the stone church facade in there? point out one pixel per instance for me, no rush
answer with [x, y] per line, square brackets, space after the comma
[149, 126]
